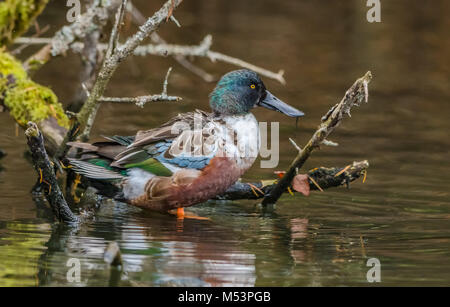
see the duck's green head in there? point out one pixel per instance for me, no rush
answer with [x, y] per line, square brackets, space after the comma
[239, 91]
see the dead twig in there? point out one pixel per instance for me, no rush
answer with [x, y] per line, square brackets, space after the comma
[353, 97]
[139, 19]
[322, 177]
[180, 52]
[203, 50]
[140, 101]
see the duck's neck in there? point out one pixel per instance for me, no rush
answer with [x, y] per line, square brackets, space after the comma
[233, 119]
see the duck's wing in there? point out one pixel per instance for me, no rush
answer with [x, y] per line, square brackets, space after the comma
[171, 129]
[150, 150]
[170, 145]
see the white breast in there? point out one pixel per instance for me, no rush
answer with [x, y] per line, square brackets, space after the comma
[236, 137]
[242, 139]
[134, 185]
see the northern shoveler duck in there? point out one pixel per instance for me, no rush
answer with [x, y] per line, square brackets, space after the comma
[191, 158]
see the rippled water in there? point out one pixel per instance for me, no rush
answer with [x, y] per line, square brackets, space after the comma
[400, 215]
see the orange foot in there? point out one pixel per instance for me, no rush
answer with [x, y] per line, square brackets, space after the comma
[180, 214]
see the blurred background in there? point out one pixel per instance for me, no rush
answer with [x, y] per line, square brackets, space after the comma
[400, 215]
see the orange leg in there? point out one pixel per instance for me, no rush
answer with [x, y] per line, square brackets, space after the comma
[254, 189]
[180, 213]
[75, 184]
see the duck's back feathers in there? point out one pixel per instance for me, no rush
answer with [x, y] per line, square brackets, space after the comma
[169, 129]
[149, 150]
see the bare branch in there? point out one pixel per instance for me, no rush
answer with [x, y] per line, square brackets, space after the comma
[353, 97]
[166, 82]
[214, 56]
[182, 51]
[38, 33]
[175, 21]
[114, 38]
[88, 112]
[139, 19]
[94, 18]
[203, 50]
[329, 143]
[295, 145]
[142, 100]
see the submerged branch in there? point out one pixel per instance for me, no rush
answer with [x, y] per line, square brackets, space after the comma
[47, 177]
[321, 177]
[112, 254]
[353, 97]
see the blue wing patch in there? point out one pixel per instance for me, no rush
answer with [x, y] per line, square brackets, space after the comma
[159, 149]
[186, 161]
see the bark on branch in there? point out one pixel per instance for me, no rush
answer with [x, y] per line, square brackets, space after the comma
[47, 176]
[353, 97]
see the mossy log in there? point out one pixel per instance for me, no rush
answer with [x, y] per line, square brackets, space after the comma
[16, 16]
[27, 101]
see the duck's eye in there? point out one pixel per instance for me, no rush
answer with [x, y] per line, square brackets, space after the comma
[252, 86]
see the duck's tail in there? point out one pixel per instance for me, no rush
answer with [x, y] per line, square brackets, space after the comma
[96, 169]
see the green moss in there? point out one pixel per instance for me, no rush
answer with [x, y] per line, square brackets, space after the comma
[16, 16]
[9, 65]
[34, 64]
[25, 99]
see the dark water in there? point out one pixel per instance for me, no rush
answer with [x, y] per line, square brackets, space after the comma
[400, 215]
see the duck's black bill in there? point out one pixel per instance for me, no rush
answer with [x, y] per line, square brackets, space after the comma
[273, 103]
